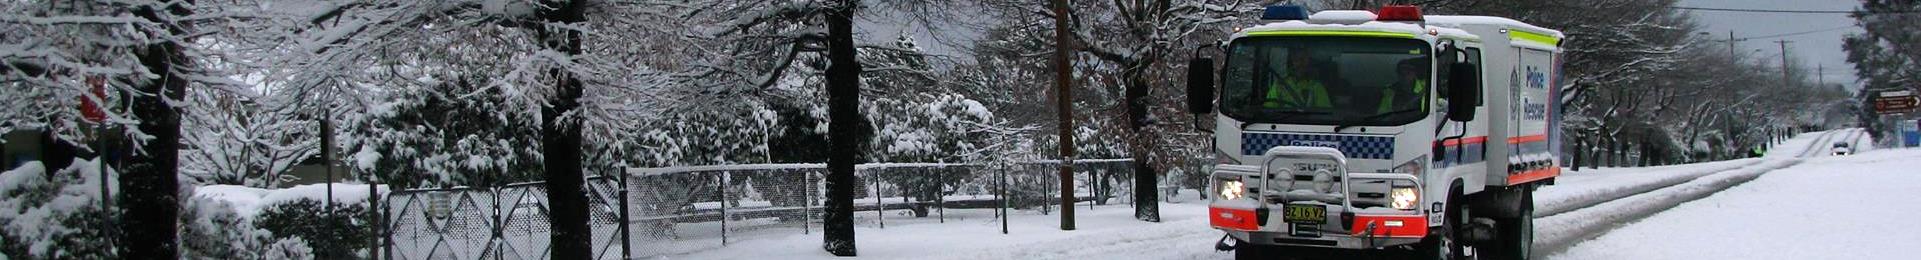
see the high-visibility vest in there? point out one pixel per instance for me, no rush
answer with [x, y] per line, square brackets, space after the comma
[1300, 92]
[1387, 98]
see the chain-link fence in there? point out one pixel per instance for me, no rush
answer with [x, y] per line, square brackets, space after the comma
[509, 222]
[680, 210]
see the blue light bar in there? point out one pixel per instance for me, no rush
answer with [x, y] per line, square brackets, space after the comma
[1284, 13]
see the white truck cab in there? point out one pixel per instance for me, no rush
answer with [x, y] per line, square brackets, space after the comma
[1349, 130]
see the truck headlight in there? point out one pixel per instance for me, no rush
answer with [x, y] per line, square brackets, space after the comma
[1403, 198]
[1231, 189]
[1413, 167]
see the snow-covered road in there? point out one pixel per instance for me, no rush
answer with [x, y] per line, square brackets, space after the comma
[1584, 204]
[1846, 207]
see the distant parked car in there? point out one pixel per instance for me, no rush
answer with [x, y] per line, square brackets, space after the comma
[1841, 148]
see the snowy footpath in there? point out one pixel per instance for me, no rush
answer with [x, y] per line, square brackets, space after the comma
[1584, 216]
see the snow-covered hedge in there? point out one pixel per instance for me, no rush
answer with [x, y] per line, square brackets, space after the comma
[58, 215]
[295, 216]
[53, 215]
[215, 230]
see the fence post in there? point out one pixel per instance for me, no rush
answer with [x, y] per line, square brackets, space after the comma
[626, 235]
[373, 205]
[880, 206]
[1003, 199]
[940, 193]
[721, 183]
[806, 201]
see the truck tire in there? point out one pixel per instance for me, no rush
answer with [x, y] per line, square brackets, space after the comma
[1441, 243]
[1515, 239]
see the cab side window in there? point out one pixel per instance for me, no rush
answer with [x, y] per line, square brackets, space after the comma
[1474, 57]
[1470, 55]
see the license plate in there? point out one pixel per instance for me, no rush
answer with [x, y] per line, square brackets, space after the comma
[1305, 214]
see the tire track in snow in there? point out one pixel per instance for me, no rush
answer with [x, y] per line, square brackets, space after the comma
[1564, 202]
[1557, 232]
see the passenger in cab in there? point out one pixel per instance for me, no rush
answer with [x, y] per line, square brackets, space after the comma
[1409, 90]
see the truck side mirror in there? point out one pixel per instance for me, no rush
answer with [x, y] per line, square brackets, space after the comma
[1463, 91]
[1200, 86]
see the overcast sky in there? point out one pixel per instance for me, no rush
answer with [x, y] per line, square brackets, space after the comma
[1822, 48]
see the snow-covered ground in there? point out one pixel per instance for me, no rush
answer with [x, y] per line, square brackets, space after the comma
[1583, 204]
[1844, 207]
[1104, 232]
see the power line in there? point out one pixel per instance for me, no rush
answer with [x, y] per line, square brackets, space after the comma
[1767, 10]
[1794, 33]
[1788, 11]
[1731, 40]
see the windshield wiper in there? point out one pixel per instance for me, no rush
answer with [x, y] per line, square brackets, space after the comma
[1285, 113]
[1355, 123]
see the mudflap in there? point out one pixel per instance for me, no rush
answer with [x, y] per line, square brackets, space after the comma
[1502, 202]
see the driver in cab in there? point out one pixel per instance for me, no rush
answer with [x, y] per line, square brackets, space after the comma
[1298, 87]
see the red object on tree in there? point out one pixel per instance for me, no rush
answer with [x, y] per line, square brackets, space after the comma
[90, 110]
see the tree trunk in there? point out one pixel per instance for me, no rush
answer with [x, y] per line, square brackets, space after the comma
[54, 153]
[1576, 159]
[150, 184]
[843, 114]
[561, 137]
[1146, 181]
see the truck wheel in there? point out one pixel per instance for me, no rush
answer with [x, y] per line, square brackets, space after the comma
[1250, 251]
[1441, 243]
[1516, 237]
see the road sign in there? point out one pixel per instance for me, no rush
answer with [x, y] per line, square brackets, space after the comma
[1895, 101]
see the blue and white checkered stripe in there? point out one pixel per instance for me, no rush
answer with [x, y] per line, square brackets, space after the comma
[1353, 146]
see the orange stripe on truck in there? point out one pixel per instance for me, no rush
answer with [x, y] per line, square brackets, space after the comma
[1527, 139]
[1465, 140]
[1533, 175]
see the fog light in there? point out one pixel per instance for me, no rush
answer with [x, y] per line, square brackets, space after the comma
[1231, 189]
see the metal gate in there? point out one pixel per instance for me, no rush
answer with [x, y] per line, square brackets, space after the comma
[508, 222]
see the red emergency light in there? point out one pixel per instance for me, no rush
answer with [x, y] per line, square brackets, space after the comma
[1399, 13]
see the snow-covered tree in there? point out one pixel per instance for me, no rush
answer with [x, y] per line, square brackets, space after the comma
[135, 61]
[236, 139]
[1124, 48]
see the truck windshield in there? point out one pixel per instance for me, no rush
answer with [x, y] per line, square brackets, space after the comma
[1327, 80]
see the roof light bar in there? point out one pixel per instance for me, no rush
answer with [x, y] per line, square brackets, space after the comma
[1400, 13]
[1284, 13]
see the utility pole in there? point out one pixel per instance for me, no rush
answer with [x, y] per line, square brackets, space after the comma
[1731, 44]
[1064, 107]
[1820, 75]
[1784, 60]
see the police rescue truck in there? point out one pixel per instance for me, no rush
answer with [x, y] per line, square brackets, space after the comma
[1351, 132]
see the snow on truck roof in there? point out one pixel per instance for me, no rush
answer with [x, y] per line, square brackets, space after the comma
[1455, 20]
[1330, 24]
[1447, 26]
